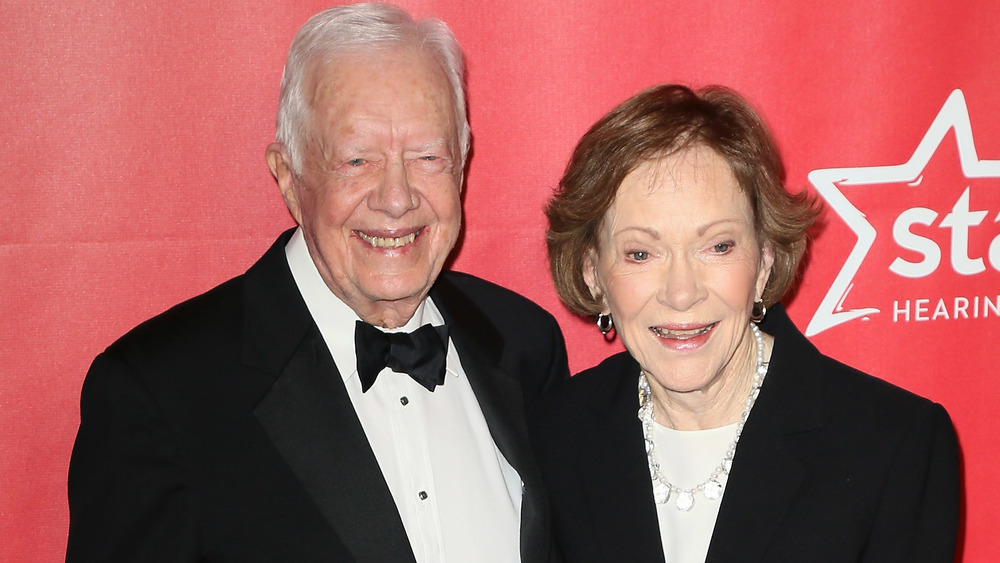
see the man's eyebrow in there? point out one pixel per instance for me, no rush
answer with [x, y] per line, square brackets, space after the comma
[429, 145]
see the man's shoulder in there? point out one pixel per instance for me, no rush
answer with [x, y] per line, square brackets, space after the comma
[192, 321]
[212, 316]
[526, 336]
[495, 300]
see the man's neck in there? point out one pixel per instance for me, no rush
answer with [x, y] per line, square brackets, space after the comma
[390, 314]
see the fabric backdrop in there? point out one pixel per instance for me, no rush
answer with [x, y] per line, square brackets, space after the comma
[133, 151]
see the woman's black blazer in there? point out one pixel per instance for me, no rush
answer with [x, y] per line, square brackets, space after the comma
[833, 465]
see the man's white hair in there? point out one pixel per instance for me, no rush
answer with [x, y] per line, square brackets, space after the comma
[361, 28]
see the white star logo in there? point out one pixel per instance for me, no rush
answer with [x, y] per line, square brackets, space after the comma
[953, 115]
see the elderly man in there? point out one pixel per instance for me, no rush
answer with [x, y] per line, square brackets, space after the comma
[343, 399]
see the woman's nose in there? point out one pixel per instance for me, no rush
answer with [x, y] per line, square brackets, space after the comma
[680, 285]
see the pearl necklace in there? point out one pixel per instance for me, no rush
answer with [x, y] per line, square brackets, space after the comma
[714, 486]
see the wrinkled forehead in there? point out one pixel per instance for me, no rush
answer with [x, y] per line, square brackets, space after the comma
[676, 191]
[694, 172]
[397, 79]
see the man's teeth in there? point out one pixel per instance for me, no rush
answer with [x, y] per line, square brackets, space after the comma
[388, 242]
[681, 334]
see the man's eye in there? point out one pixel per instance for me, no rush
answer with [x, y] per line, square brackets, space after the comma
[431, 163]
[356, 162]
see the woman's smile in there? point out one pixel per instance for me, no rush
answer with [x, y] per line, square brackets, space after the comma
[680, 339]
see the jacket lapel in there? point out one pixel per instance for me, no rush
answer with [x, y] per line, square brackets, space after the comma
[767, 473]
[500, 396]
[309, 416]
[616, 478]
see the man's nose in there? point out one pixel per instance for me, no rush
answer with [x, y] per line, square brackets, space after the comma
[394, 195]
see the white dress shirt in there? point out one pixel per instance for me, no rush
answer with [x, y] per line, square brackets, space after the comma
[458, 497]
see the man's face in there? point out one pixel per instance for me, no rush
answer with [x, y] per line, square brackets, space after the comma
[378, 198]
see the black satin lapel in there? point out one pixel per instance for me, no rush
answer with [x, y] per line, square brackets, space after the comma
[616, 480]
[502, 404]
[480, 348]
[311, 421]
[275, 317]
[501, 399]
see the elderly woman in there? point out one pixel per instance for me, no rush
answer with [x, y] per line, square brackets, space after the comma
[713, 439]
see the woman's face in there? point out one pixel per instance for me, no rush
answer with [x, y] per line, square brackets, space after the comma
[678, 266]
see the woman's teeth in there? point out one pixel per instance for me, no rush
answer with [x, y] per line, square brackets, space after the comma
[681, 334]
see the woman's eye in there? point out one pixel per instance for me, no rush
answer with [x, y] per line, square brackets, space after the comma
[638, 255]
[723, 247]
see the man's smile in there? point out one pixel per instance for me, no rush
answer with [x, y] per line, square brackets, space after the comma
[389, 242]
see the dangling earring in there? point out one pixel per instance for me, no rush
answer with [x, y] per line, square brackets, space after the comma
[757, 313]
[605, 324]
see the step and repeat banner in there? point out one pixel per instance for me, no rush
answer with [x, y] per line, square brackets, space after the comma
[133, 151]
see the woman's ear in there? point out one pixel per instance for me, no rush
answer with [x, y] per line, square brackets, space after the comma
[764, 270]
[593, 280]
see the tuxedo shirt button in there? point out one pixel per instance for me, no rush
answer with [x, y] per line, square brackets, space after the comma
[404, 401]
[422, 495]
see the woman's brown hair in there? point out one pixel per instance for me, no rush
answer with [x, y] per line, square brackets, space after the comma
[653, 124]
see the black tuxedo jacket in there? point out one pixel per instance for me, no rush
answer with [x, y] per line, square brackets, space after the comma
[833, 465]
[222, 431]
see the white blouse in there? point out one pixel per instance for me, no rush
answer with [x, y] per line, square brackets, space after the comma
[687, 458]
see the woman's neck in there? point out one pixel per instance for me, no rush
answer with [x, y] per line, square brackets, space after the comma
[720, 403]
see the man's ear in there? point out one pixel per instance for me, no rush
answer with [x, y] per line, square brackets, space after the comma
[280, 163]
[591, 279]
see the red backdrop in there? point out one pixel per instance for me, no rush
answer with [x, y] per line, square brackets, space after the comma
[133, 146]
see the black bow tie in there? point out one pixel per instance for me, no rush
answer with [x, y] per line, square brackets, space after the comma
[420, 353]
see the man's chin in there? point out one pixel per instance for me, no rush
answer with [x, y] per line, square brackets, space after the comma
[395, 290]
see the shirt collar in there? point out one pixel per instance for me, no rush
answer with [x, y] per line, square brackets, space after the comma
[334, 318]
